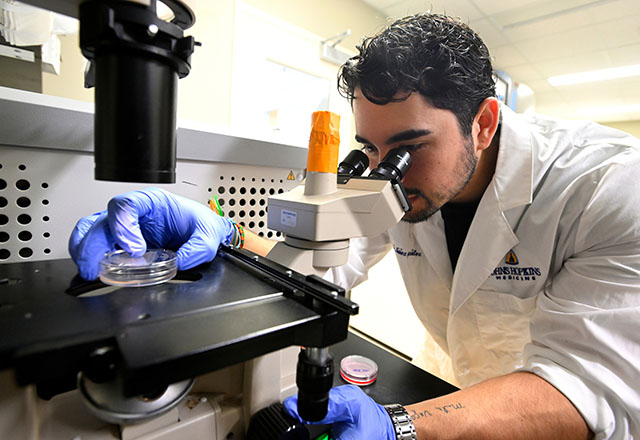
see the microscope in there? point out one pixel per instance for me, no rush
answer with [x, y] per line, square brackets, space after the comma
[133, 355]
[319, 217]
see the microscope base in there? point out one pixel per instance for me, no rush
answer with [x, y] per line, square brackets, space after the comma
[199, 416]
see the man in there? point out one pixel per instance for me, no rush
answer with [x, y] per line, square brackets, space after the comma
[521, 254]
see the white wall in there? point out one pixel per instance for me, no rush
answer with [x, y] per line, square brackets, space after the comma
[279, 80]
[631, 127]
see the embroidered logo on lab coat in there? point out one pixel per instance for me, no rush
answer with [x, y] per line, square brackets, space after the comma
[511, 258]
[513, 271]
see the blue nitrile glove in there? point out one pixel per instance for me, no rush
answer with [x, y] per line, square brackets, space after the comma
[151, 217]
[354, 415]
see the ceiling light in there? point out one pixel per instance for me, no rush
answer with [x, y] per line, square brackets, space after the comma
[595, 75]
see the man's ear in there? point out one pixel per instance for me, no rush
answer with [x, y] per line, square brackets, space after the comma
[485, 123]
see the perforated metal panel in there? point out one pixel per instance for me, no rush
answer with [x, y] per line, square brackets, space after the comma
[25, 218]
[244, 200]
[43, 193]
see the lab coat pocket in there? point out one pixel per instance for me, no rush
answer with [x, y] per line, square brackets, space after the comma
[503, 322]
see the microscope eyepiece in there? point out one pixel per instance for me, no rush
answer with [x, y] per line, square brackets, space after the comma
[394, 165]
[354, 164]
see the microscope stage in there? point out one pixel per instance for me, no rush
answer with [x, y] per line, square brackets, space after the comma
[215, 315]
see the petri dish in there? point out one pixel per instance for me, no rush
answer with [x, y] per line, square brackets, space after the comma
[156, 266]
[358, 370]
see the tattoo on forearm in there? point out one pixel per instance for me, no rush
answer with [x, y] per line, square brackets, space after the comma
[446, 409]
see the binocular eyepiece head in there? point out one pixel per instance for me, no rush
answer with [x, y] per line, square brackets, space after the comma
[394, 165]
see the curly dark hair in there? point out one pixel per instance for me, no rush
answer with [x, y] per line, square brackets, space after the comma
[436, 55]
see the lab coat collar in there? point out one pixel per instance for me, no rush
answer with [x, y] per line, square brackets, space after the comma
[513, 178]
[491, 236]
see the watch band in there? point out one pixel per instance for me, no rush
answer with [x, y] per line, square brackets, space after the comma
[402, 423]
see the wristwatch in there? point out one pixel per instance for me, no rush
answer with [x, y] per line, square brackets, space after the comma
[402, 423]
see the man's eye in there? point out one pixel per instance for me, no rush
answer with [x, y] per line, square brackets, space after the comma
[413, 147]
[369, 149]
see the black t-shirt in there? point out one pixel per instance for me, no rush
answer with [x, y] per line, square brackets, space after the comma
[457, 220]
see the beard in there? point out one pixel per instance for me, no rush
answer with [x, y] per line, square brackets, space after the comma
[464, 169]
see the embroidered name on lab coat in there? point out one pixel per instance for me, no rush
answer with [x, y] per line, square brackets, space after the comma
[411, 253]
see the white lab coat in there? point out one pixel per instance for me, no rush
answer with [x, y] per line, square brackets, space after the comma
[548, 279]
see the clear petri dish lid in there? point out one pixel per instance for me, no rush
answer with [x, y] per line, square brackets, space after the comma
[156, 266]
[358, 370]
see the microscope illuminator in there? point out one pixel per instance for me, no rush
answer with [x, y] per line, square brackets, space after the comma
[138, 59]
